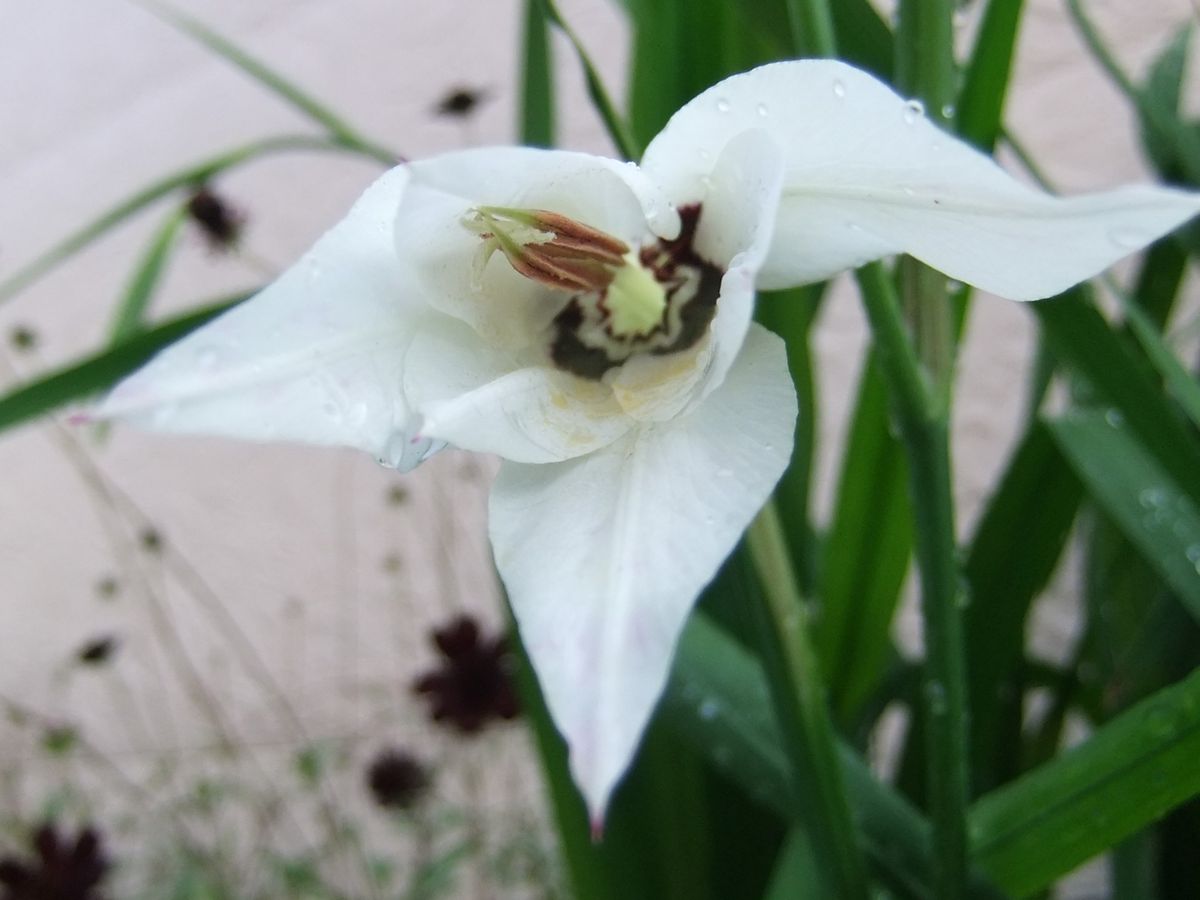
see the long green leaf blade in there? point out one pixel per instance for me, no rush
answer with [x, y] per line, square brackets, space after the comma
[1139, 495]
[102, 369]
[1127, 775]
[985, 80]
[270, 79]
[537, 82]
[131, 311]
[185, 178]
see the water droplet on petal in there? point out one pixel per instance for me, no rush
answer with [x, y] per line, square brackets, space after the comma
[1128, 238]
[913, 110]
[909, 192]
[761, 109]
[722, 105]
[839, 89]
[207, 357]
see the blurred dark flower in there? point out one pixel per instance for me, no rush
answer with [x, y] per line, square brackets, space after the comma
[473, 684]
[97, 651]
[397, 779]
[220, 222]
[60, 869]
[23, 338]
[460, 102]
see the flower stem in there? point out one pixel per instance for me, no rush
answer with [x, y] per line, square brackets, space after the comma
[923, 418]
[800, 704]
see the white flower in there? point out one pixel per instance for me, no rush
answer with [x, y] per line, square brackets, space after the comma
[561, 310]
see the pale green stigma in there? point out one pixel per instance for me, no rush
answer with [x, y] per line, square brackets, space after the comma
[635, 299]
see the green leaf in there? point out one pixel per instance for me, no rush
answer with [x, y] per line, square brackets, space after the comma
[618, 128]
[537, 82]
[718, 700]
[985, 80]
[1016, 547]
[102, 369]
[1139, 494]
[863, 569]
[131, 311]
[270, 79]
[1172, 144]
[186, 178]
[1127, 775]
[1081, 337]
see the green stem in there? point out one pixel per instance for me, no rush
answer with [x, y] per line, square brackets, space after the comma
[812, 28]
[799, 698]
[925, 431]
[537, 84]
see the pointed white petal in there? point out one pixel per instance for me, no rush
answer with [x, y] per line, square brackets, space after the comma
[603, 556]
[868, 175]
[315, 357]
[482, 399]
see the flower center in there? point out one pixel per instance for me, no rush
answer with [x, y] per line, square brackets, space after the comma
[658, 299]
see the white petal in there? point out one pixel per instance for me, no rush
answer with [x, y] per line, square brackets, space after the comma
[483, 399]
[603, 556]
[867, 175]
[315, 357]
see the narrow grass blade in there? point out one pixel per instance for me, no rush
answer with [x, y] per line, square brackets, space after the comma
[863, 569]
[1128, 774]
[1138, 493]
[537, 79]
[183, 179]
[131, 311]
[270, 79]
[1015, 550]
[1081, 337]
[618, 128]
[986, 77]
[103, 369]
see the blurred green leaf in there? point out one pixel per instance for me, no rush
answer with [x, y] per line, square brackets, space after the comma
[985, 80]
[185, 178]
[1139, 495]
[270, 79]
[131, 311]
[1082, 338]
[537, 83]
[863, 568]
[1172, 144]
[718, 700]
[793, 877]
[1016, 547]
[102, 369]
[1128, 774]
[618, 129]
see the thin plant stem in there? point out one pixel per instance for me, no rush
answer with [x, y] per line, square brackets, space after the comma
[1099, 49]
[925, 432]
[799, 697]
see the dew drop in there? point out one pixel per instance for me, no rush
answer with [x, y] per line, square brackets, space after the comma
[1114, 418]
[761, 109]
[948, 111]
[1152, 498]
[913, 110]
[1128, 238]
[709, 709]
[909, 192]
[207, 357]
[935, 694]
[839, 89]
[1193, 555]
[722, 105]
